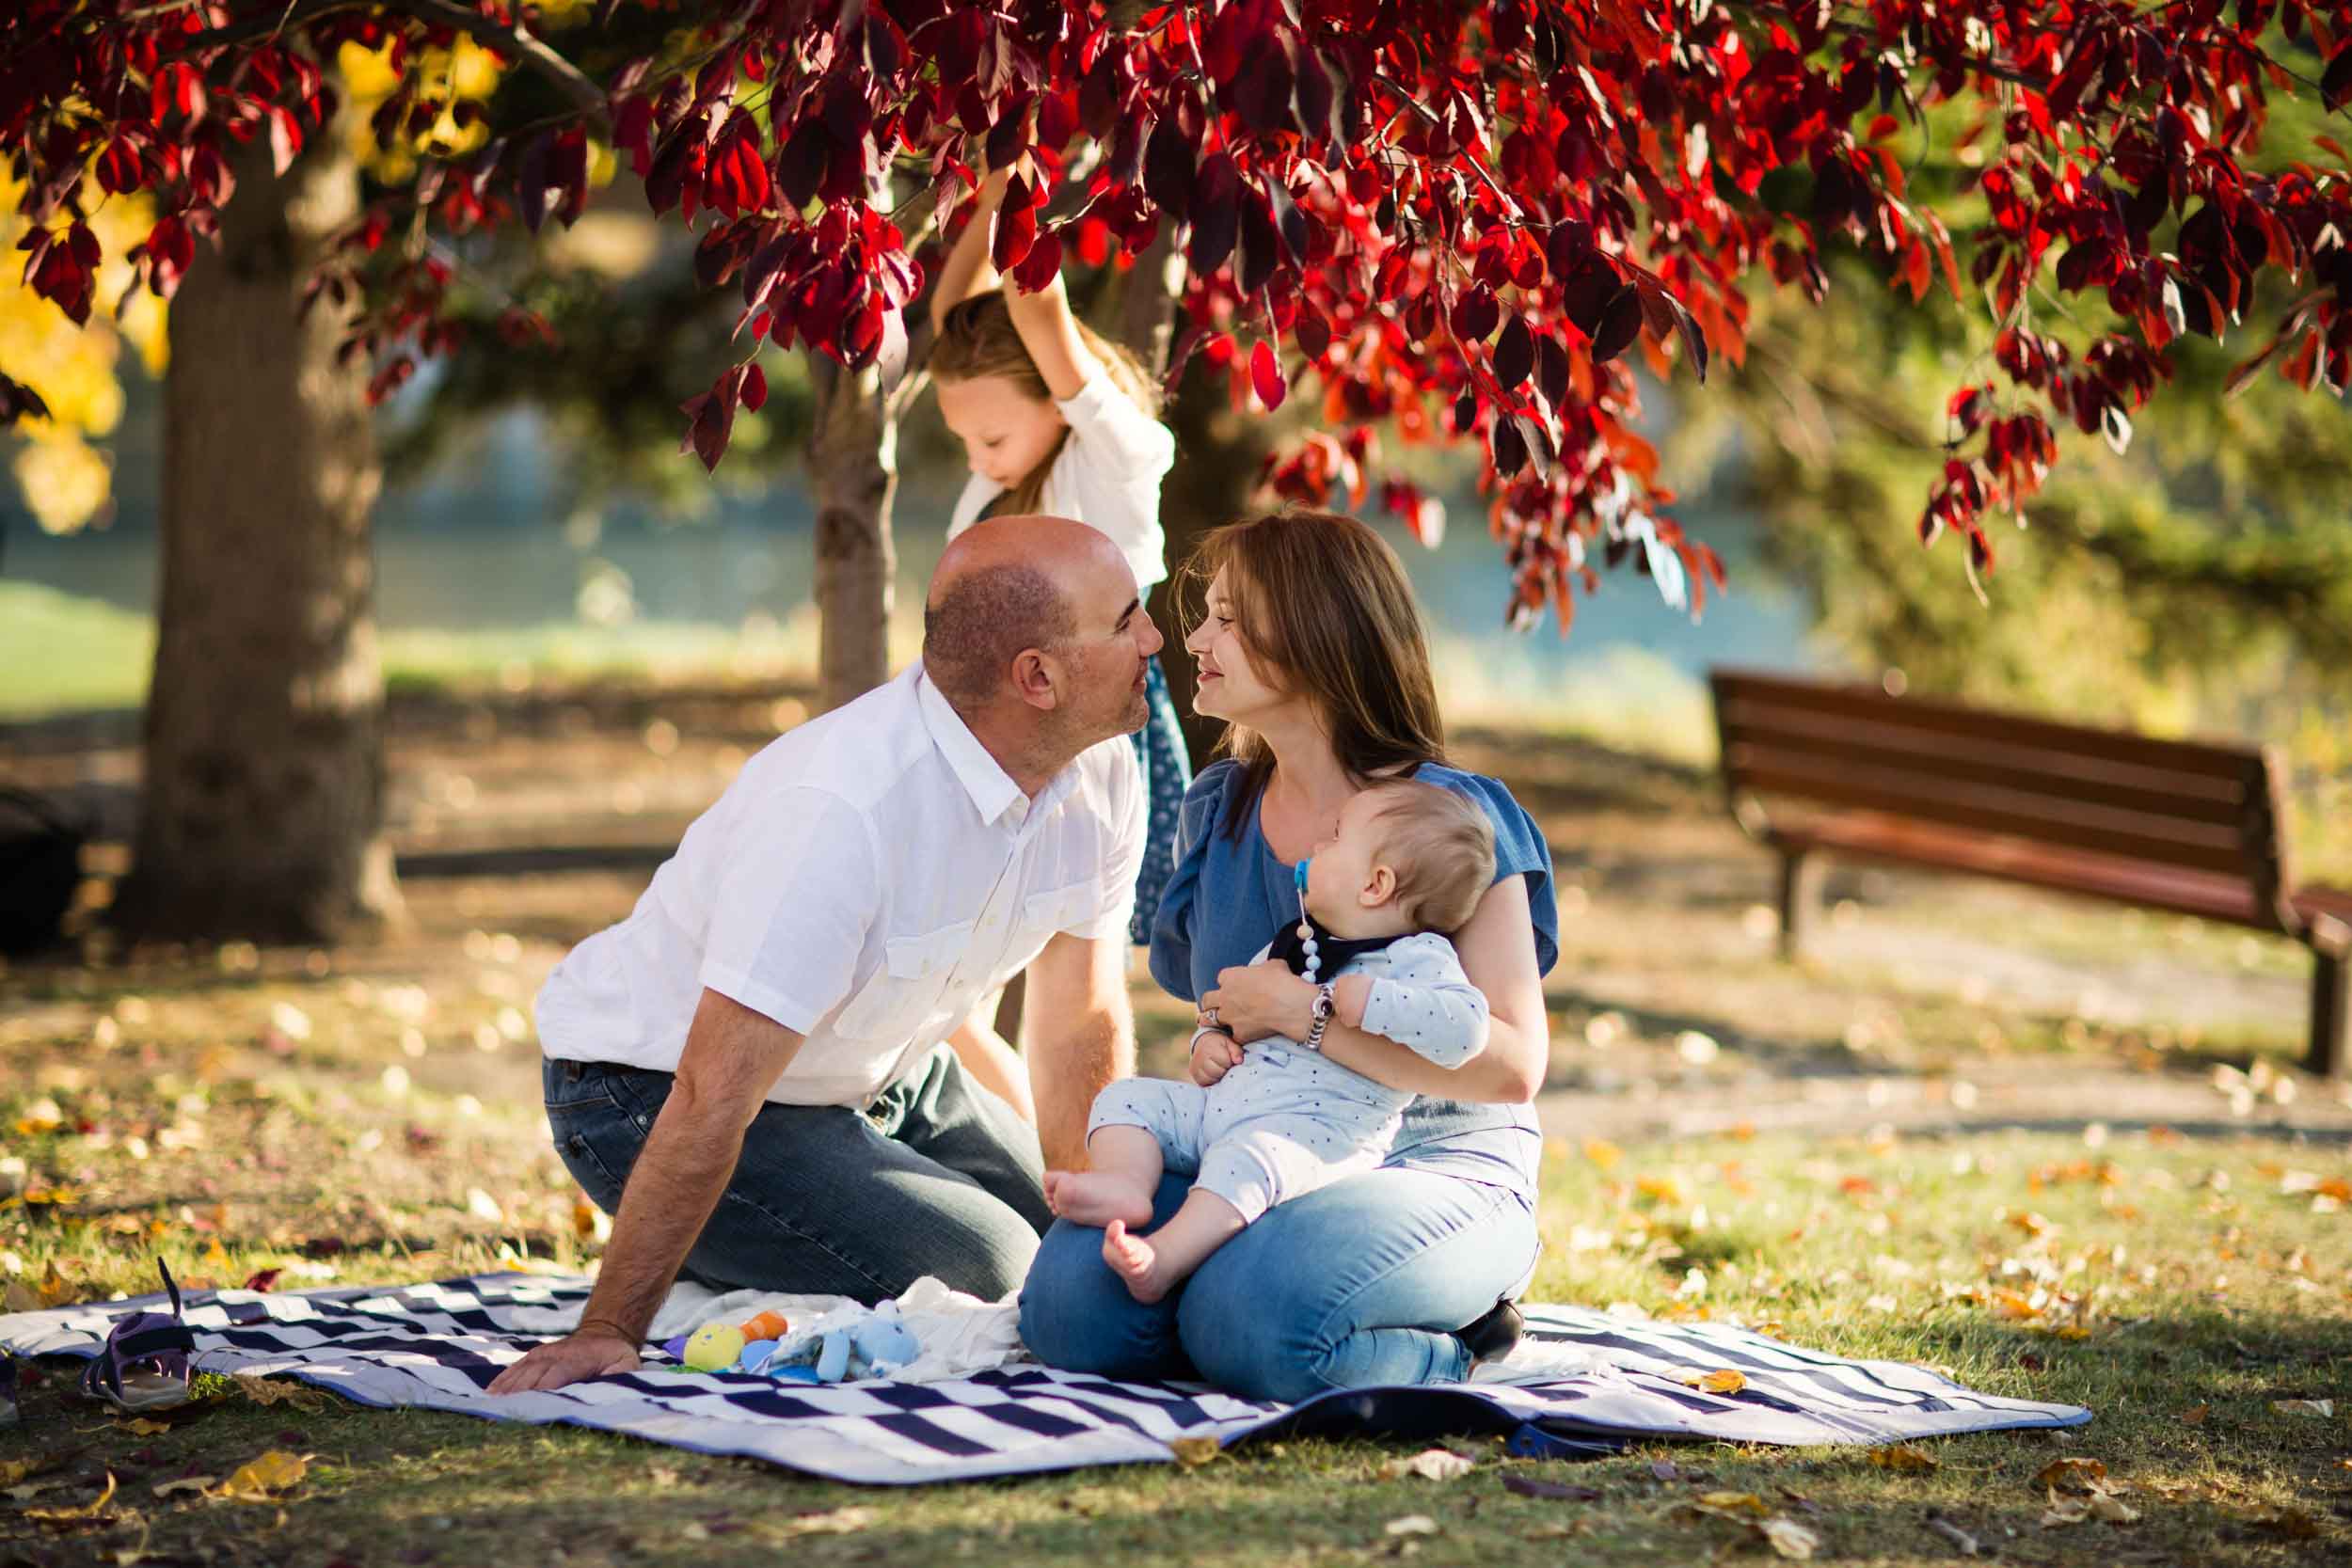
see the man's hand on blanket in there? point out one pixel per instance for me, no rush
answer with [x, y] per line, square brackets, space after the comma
[1253, 1001]
[1214, 1054]
[593, 1352]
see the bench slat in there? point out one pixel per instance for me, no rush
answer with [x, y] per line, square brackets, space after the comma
[2239, 762]
[2132, 786]
[2226, 900]
[2042, 820]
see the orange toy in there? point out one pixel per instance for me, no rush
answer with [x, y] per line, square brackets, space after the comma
[766, 1325]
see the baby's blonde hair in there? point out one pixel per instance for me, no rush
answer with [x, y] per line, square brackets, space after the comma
[976, 339]
[1440, 847]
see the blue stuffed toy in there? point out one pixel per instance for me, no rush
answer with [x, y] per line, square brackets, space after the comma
[870, 1344]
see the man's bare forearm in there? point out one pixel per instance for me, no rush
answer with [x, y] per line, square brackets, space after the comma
[1098, 1047]
[680, 1175]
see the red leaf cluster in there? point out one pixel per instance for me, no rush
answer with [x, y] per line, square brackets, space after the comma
[1481, 222]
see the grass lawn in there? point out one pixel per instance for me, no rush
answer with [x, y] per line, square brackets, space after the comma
[370, 1114]
[336, 1121]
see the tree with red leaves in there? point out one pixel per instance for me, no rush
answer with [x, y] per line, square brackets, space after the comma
[1447, 221]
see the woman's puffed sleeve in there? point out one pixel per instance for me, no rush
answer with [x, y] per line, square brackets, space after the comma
[1172, 926]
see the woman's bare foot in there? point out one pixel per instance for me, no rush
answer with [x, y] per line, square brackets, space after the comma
[1096, 1197]
[1136, 1262]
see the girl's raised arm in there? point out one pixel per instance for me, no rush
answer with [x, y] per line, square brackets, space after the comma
[968, 270]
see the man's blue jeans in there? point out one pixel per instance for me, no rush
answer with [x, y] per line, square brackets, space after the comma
[1352, 1284]
[939, 1177]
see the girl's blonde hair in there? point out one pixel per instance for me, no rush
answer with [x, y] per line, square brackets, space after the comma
[978, 339]
[1326, 612]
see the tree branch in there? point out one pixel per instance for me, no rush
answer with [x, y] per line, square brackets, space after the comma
[513, 39]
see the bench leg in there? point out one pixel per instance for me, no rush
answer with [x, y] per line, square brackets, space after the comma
[1800, 891]
[2331, 1004]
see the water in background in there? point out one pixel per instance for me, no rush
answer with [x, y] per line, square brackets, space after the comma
[486, 552]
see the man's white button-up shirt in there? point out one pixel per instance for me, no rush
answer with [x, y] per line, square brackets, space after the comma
[866, 880]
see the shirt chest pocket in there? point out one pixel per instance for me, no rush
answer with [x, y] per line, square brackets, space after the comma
[904, 991]
[1044, 913]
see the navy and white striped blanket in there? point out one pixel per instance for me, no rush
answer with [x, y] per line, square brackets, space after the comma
[436, 1346]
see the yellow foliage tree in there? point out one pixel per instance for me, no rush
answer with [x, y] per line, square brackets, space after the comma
[59, 464]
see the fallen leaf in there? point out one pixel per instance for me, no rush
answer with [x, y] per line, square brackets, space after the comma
[1193, 1453]
[142, 1427]
[1903, 1459]
[1430, 1463]
[1732, 1504]
[1557, 1491]
[87, 1511]
[2108, 1509]
[183, 1483]
[2321, 1408]
[1411, 1523]
[836, 1521]
[31, 1489]
[14, 1470]
[2069, 1471]
[2294, 1524]
[1724, 1380]
[2063, 1511]
[255, 1480]
[1789, 1538]
[262, 1390]
[2195, 1414]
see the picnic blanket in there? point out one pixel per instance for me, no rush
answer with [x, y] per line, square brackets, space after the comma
[1585, 1383]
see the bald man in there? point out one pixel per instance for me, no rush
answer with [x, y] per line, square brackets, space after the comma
[771, 1074]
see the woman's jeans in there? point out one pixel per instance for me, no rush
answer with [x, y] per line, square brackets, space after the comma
[1352, 1284]
[938, 1176]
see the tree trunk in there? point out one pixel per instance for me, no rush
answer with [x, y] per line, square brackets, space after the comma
[262, 811]
[853, 464]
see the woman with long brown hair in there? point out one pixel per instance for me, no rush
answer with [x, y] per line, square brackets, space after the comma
[1311, 649]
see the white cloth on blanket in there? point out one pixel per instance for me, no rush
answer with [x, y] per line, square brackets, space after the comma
[961, 1334]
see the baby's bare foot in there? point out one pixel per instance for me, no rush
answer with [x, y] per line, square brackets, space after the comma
[1096, 1197]
[1136, 1262]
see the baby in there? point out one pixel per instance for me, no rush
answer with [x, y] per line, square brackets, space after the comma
[1276, 1119]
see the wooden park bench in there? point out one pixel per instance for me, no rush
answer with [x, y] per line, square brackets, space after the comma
[2189, 827]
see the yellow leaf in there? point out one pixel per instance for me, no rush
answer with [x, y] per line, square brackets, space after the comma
[1411, 1523]
[2063, 1472]
[1902, 1458]
[145, 1428]
[1724, 1380]
[2321, 1408]
[1193, 1453]
[257, 1478]
[1733, 1502]
[184, 1483]
[1603, 1153]
[87, 1511]
[262, 1390]
[1790, 1537]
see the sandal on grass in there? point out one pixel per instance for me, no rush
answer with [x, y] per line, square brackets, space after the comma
[144, 1364]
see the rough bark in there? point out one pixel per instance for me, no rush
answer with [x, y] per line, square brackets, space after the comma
[852, 465]
[262, 811]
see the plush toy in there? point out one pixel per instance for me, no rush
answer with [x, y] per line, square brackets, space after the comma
[713, 1348]
[766, 1325]
[755, 1355]
[861, 1344]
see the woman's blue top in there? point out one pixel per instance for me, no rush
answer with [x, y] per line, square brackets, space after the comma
[1229, 897]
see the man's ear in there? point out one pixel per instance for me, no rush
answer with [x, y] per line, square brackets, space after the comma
[1037, 675]
[1378, 888]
